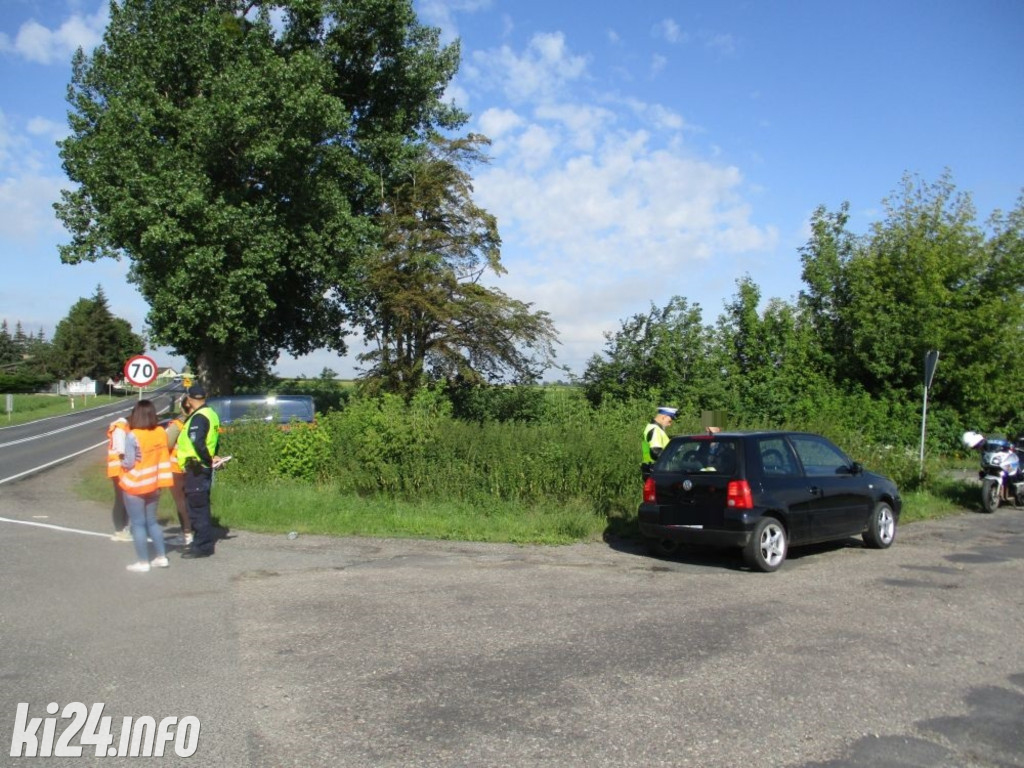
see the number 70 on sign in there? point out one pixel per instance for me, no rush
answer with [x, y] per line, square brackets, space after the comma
[140, 371]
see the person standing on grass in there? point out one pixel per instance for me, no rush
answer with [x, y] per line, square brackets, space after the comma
[197, 451]
[655, 438]
[115, 453]
[178, 489]
[147, 470]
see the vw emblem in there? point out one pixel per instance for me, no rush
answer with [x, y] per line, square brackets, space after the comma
[687, 485]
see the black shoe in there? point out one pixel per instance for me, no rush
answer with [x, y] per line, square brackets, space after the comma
[192, 554]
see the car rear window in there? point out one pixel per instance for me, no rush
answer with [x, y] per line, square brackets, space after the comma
[704, 455]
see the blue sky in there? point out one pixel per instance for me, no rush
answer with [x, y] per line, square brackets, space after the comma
[640, 150]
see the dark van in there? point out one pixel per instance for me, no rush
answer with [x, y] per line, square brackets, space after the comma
[279, 408]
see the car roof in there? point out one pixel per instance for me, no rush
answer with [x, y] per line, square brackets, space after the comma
[745, 433]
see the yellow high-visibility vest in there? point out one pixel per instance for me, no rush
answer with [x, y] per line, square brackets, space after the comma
[185, 448]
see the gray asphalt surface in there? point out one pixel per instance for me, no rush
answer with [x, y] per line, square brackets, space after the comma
[366, 652]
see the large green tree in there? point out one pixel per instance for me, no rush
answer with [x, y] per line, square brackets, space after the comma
[91, 342]
[422, 305]
[667, 353]
[925, 277]
[235, 159]
[774, 364]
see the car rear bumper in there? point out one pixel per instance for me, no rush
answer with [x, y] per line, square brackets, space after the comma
[688, 534]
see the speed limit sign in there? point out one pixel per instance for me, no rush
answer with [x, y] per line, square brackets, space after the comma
[140, 371]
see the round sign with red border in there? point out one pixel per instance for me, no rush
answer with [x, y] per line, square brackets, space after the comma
[140, 371]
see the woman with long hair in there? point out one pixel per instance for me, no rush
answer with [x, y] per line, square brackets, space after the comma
[147, 470]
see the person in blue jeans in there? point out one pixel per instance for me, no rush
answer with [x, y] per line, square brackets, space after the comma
[147, 471]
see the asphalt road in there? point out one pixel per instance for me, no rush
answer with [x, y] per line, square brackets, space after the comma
[27, 448]
[366, 652]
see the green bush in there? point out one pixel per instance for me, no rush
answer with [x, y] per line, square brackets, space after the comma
[568, 453]
[303, 452]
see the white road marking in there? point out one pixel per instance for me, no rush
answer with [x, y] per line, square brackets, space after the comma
[53, 527]
[50, 464]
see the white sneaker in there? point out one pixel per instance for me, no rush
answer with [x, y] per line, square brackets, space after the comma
[159, 562]
[138, 567]
[123, 535]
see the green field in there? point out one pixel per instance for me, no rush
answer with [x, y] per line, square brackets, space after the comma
[32, 407]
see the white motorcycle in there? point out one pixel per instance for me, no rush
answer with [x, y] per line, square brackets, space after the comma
[1001, 473]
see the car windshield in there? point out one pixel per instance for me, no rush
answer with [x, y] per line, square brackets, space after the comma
[996, 444]
[699, 454]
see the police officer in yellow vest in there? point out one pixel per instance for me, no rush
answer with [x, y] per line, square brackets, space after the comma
[655, 438]
[197, 451]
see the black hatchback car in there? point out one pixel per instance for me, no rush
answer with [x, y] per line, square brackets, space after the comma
[762, 492]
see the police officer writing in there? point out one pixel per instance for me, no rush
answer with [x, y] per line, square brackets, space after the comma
[197, 453]
[655, 438]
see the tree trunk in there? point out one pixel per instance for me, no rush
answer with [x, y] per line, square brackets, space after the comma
[214, 374]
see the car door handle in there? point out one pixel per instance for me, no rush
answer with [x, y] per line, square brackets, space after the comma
[816, 491]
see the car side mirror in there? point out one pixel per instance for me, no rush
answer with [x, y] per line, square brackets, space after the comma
[856, 468]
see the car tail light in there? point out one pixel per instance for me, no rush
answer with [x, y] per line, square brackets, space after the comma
[738, 495]
[650, 491]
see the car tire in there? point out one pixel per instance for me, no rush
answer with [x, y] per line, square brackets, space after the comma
[881, 530]
[990, 495]
[766, 551]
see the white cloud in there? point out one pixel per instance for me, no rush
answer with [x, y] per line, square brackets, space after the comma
[669, 30]
[496, 123]
[660, 116]
[722, 43]
[595, 237]
[441, 13]
[540, 74]
[536, 146]
[582, 122]
[603, 207]
[47, 46]
[457, 95]
[28, 185]
[26, 207]
[659, 206]
[48, 129]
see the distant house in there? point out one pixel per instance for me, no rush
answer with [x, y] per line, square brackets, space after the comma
[167, 373]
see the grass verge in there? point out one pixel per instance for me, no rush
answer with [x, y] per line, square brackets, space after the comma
[303, 508]
[323, 510]
[33, 407]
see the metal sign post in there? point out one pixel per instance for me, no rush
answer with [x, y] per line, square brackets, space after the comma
[931, 359]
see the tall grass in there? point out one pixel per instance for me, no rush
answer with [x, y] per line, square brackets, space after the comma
[384, 467]
[33, 407]
[323, 509]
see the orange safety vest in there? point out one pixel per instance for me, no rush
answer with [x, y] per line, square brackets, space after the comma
[114, 468]
[174, 448]
[152, 470]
